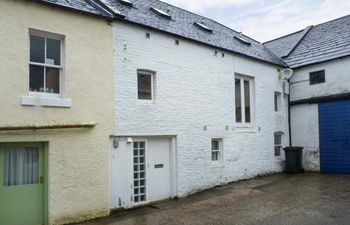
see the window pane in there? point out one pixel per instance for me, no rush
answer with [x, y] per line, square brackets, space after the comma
[145, 87]
[278, 139]
[276, 102]
[277, 150]
[37, 49]
[214, 156]
[247, 101]
[215, 145]
[238, 100]
[52, 80]
[53, 55]
[21, 166]
[317, 77]
[36, 78]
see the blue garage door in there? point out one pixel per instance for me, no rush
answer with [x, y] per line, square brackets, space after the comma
[334, 122]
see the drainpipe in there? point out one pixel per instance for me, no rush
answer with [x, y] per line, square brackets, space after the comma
[286, 74]
[289, 120]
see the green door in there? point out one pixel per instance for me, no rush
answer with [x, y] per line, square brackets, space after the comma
[21, 184]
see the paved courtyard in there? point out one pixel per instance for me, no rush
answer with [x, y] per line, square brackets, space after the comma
[303, 199]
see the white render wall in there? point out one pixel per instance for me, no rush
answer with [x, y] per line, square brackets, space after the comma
[193, 89]
[304, 117]
[337, 80]
[305, 133]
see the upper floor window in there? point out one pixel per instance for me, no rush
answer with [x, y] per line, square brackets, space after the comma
[317, 77]
[277, 101]
[243, 99]
[145, 85]
[45, 63]
[216, 149]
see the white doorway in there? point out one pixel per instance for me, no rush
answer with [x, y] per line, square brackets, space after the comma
[142, 170]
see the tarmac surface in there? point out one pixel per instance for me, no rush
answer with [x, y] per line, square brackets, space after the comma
[281, 199]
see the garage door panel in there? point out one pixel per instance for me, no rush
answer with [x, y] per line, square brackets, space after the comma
[334, 125]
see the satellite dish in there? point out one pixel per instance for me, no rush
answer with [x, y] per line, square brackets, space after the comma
[286, 74]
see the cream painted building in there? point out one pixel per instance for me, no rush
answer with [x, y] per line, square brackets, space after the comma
[56, 97]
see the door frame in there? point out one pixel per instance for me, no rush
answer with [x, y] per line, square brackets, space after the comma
[141, 137]
[44, 146]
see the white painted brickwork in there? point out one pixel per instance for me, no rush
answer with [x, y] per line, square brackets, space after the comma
[194, 89]
[304, 118]
[337, 80]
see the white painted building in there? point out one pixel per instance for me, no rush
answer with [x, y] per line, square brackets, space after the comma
[320, 92]
[177, 129]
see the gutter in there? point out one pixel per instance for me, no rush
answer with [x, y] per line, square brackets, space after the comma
[321, 99]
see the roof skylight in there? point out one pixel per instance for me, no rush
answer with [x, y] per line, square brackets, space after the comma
[161, 12]
[126, 2]
[204, 27]
[242, 40]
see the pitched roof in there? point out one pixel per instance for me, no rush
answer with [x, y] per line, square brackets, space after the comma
[314, 44]
[84, 6]
[191, 26]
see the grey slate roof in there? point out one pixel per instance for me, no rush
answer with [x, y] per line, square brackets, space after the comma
[317, 44]
[84, 6]
[182, 24]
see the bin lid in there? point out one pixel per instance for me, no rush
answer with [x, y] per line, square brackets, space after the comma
[294, 148]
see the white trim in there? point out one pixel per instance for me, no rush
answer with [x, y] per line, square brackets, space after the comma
[219, 151]
[45, 35]
[46, 101]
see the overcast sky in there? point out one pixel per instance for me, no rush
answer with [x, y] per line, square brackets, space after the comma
[264, 20]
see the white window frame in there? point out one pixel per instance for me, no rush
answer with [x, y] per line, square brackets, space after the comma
[42, 98]
[278, 145]
[219, 151]
[250, 79]
[61, 67]
[149, 73]
[278, 95]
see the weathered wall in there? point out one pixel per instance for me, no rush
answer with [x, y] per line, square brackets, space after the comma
[304, 118]
[337, 80]
[305, 133]
[78, 159]
[193, 89]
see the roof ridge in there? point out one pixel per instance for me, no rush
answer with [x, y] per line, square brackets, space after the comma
[306, 31]
[275, 39]
[274, 54]
[330, 21]
[284, 36]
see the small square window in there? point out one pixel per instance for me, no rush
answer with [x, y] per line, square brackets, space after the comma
[145, 86]
[216, 149]
[317, 77]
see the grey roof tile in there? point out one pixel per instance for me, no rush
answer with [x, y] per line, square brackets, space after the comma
[182, 24]
[80, 5]
[321, 43]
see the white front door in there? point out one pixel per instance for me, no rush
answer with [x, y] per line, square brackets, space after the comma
[158, 169]
[140, 171]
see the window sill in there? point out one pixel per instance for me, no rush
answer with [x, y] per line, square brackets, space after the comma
[246, 129]
[46, 101]
[217, 164]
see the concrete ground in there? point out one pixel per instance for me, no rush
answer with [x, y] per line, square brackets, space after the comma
[303, 199]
